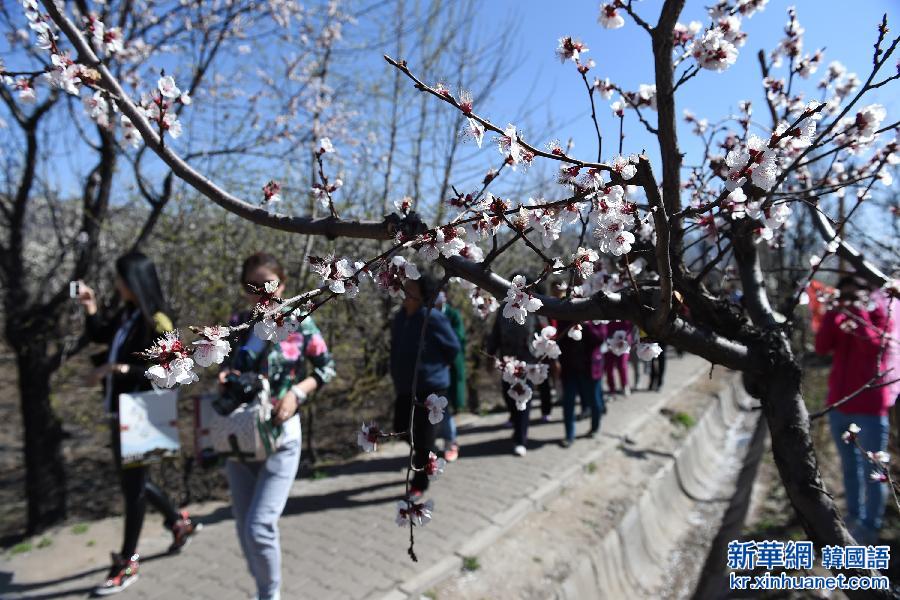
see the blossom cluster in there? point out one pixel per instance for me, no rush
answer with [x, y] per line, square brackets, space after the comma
[394, 275]
[483, 303]
[63, 73]
[520, 377]
[519, 302]
[173, 363]
[340, 275]
[614, 218]
[414, 513]
[544, 345]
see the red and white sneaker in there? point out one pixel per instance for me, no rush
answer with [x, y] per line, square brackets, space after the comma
[451, 453]
[122, 574]
[182, 532]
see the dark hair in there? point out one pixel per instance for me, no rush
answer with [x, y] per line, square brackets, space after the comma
[427, 287]
[139, 274]
[854, 280]
[262, 260]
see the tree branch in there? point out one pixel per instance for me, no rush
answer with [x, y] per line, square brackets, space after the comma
[329, 227]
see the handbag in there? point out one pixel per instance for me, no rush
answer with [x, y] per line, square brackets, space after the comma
[148, 427]
[246, 433]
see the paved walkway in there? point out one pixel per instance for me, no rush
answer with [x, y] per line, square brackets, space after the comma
[338, 534]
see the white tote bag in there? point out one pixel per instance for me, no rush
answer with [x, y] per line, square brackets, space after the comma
[247, 433]
[148, 427]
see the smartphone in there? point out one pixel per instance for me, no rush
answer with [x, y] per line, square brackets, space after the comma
[74, 289]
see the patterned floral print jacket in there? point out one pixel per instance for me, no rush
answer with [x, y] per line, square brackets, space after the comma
[284, 363]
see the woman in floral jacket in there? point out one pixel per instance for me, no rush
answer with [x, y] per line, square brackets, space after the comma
[260, 489]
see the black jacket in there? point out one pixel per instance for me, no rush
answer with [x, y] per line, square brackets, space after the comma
[102, 330]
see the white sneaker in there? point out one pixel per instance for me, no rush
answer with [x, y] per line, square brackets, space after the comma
[519, 451]
[627, 391]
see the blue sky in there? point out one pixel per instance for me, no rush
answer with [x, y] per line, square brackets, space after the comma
[624, 55]
[553, 92]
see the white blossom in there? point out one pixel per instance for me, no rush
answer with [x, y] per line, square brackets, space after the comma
[176, 372]
[713, 51]
[338, 274]
[544, 345]
[519, 303]
[537, 373]
[648, 351]
[474, 130]
[435, 405]
[583, 260]
[623, 167]
[520, 392]
[434, 468]
[610, 17]
[325, 146]
[167, 87]
[212, 348]
[757, 161]
[570, 49]
[173, 366]
[618, 343]
[367, 437]
[276, 329]
[417, 514]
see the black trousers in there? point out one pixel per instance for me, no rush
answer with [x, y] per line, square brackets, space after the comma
[518, 417]
[658, 369]
[546, 397]
[424, 432]
[138, 490]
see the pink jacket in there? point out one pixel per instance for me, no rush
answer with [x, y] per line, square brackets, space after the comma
[855, 362]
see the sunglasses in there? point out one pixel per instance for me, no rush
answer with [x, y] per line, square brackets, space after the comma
[249, 286]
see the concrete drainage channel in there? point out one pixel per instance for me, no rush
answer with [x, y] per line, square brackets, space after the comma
[676, 513]
[636, 559]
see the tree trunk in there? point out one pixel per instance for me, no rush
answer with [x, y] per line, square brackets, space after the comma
[45, 476]
[795, 457]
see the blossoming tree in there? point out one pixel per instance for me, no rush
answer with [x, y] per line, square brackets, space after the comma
[637, 224]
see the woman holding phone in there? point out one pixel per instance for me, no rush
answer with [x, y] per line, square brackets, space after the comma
[132, 328]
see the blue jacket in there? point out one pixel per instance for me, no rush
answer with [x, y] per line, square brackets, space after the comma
[441, 347]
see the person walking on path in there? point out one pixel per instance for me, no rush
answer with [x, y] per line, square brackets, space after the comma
[618, 363]
[577, 374]
[508, 338]
[658, 370]
[441, 346]
[260, 489]
[853, 333]
[131, 329]
[456, 393]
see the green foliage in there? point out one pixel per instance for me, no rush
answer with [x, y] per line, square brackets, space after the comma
[21, 548]
[80, 528]
[45, 542]
[683, 419]
[470, 563]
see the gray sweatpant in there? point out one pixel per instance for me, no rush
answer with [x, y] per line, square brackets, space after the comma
[259, 493]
